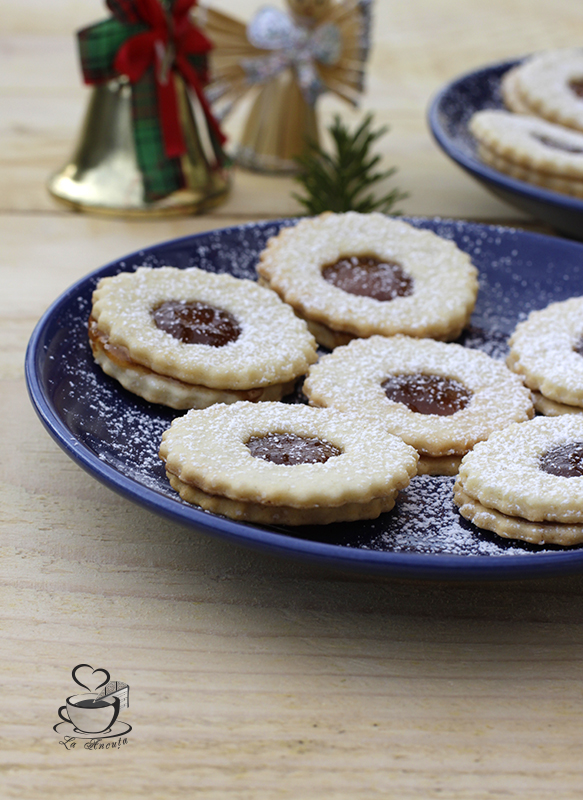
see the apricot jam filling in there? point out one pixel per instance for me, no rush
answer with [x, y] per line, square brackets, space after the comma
[565, 461]
[291, 449]
[197, 323]
[369, 276]
[427, 394]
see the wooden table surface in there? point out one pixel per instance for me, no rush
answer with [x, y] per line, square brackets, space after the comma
[252, 676]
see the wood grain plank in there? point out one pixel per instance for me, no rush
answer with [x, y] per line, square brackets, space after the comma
[254, 677]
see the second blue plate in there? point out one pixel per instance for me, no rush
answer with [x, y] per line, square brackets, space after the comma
[448, 116]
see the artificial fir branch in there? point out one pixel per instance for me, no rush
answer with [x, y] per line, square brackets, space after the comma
[338, 181]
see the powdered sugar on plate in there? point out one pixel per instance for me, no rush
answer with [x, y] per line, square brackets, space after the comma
[119, 434]
[426, 521]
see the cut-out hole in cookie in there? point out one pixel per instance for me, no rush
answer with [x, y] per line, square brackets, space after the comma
[290, 449]
[576, 86]
[369, 276]
[565, 461]
[555, 144]
[427, 394]
[197, 323]
[578, 348]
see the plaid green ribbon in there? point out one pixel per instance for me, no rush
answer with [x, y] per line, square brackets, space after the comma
[143, 38]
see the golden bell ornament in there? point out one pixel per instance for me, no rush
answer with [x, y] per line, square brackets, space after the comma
[103, 175]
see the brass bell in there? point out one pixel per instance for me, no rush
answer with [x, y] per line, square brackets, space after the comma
[103, 175]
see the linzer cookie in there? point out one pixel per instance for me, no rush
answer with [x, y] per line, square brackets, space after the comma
[547, 350]
[530, 149]
[440, 398]
[189, 338]
[274, 463]
[510, 90]
[550, 85]
[357, 275]
[526, 482]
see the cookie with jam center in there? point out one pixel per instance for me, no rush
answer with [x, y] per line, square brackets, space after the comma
[526, 482]
[547, 350]
[511, 92]
[531, 149]
[189, 338]
[550, 85]
[275, 463]
[358, 275]
[440, 398]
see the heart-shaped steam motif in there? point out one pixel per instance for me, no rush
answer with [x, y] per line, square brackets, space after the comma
[84, 675]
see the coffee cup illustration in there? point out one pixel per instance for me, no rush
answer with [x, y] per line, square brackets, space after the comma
[88, 714]
[94, 714]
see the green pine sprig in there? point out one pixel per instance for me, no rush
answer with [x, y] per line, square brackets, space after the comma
[341, 180]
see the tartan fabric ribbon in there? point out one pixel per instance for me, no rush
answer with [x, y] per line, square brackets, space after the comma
[146, 41]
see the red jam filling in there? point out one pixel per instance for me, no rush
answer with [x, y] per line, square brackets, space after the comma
[369, 276]
[427, 394]
[290, 449]
[566, 461]
[197, 323]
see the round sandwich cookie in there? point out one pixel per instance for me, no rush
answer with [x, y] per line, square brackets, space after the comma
[549, 85]
[356, 275]
[188, 338]
[526, 482]
[273, 463]
[440, 398]
[530, 149]
[546, 349]
[511, 93]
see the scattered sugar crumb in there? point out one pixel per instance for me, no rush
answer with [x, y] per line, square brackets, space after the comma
[125, 432]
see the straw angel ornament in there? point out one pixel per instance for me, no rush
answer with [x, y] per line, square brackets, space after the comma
[289, 58]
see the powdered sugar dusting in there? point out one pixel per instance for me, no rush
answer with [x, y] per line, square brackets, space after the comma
[442, 276]
[517, 274]
[425, 520]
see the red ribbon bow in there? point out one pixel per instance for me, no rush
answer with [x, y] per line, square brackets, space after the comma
[166, 46]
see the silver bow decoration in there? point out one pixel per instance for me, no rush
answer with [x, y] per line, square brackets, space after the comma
[297, 47]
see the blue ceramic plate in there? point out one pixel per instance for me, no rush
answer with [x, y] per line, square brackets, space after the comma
[115, 435]
[449, 114]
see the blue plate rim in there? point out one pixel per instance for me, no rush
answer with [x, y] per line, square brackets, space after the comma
[340, 557]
